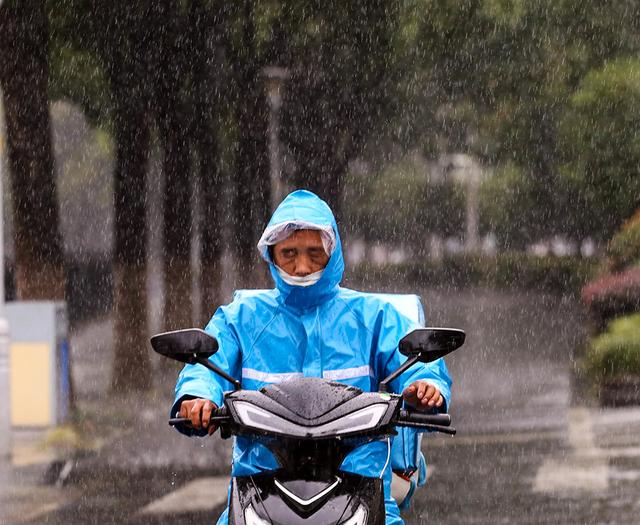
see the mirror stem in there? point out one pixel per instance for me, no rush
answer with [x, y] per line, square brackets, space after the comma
[208, 364]
[384, 384]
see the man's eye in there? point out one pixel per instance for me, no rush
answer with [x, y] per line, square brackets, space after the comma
[288, 253]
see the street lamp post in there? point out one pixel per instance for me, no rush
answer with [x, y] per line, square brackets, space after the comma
[5, 423]
[466, 169]
[275, 78]
[472, 241]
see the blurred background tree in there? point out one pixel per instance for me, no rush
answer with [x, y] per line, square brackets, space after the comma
[24, 77]
[540, 98]
[599, 134]
[501, 77]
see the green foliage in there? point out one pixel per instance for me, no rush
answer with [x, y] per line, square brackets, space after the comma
[400, 204]
[509, 270]
[599, 134]
[76, 72]
[501, 74]
[554, 274]
[77, 76]
[544, 90]
[384, 205]
[615, 353]
[624, 248]
[443, 209]
[343, 89]
[506, 199]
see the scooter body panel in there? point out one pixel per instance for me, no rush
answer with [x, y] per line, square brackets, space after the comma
[267, 499]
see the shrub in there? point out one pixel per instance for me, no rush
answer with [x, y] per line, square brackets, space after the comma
[514, 270]
[624, 247]
[548, 273]
[615, 353]
[613, 295]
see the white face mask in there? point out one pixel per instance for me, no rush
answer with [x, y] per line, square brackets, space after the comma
[294, 280]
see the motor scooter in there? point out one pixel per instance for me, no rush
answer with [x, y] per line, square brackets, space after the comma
[310, 425]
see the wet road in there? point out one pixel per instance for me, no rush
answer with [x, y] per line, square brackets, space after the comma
[514, 371]
[528, 451]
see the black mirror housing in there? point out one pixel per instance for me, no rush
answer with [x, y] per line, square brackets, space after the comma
[187, 346]
[429, 344]
[425, 345]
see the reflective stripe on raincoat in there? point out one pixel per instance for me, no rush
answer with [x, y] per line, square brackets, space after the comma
[321, 330]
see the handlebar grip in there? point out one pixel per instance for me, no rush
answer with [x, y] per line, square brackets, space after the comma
[428, 419]
[426, 426]
[217, 414]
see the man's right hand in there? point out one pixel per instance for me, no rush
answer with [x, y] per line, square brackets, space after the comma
[199, 412]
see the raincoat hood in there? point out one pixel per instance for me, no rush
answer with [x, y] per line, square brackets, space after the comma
[305, 207]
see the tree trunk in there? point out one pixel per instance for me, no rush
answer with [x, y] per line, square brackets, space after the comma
[211, 254]
[253, 193]
[126, 54]
[131, 369]
[169, 71]
[24, 75]
[177, 219]
[206, 99]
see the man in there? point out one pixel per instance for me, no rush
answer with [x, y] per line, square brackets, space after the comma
[307, 326]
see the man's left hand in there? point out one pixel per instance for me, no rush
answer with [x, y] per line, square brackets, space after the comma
[422, 395]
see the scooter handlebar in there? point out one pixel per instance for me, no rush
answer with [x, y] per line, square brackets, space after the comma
[429, 419]
[433, 422]
[217, 415]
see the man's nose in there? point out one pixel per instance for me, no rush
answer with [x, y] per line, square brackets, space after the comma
[303, 266]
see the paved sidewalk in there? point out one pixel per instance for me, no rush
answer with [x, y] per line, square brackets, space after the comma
[26, 490]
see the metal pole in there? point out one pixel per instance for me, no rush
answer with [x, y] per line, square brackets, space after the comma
[473, 220]
[275, 156]
[275, 78]
[5, 422]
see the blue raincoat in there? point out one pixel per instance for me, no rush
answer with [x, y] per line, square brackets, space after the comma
[322, 330]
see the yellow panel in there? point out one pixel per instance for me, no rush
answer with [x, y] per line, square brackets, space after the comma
[31, 388]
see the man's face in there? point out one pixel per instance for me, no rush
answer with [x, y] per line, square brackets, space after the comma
[301, 254]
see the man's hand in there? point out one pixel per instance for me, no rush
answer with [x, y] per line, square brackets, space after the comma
[199, 412]
[422, 395]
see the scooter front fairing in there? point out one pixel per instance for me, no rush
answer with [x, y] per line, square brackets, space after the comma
[310, 425]
[275, 499]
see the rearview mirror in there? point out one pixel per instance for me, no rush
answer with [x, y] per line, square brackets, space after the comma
[187, 346]
[429, 344]
[191, 346]
[426, 345]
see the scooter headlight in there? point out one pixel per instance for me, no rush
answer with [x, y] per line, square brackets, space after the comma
[360, 420]
[359, 517]
[251, 517]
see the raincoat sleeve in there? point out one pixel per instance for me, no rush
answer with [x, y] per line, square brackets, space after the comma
[391, 326]
[195, 381]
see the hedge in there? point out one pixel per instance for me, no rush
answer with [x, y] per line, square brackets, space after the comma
[511, 270]
[624, 248]
[613, 295]
[615, 354]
